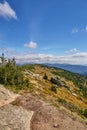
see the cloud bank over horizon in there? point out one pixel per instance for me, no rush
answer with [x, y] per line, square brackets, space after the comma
[75, 58]
[72, 56]
[78, 58]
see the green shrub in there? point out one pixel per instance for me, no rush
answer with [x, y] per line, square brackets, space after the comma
[63, 101]
[54, 89]
[85, 113]
[45, 76]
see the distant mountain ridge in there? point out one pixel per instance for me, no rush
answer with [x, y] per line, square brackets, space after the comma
[81, 69]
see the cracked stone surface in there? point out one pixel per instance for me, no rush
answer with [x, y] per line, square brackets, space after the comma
[14, 118]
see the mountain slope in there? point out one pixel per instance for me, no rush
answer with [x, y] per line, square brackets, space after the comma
[53, 84]
[60, 87]
[58, 99]
[73, 68]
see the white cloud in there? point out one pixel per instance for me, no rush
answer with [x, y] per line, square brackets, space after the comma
[78, 58]
[75, 30]
[6, 11]
[74, 50]
[31, 44]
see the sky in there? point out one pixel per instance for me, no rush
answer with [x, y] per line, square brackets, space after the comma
[44, 31]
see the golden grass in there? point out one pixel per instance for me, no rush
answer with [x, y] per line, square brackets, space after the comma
[44, 88]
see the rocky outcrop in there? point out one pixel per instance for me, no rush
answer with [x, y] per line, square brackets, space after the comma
[6, 96]
[58, 81]
[14, 118]
[31, 74]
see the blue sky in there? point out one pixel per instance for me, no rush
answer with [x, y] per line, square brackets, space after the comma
[39, 31]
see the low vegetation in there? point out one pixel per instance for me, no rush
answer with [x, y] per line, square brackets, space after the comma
[53, 88]
[45, 76]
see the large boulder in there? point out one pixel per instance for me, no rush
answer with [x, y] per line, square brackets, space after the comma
[14, 118]
[58, 81]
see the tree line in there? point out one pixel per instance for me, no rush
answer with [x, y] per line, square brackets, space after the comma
[11, 74]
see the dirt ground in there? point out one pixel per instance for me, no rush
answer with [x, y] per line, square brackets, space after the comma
[48, 117]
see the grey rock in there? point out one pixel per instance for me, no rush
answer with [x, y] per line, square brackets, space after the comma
[58, 81]
[6, 96]
[14, 118]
